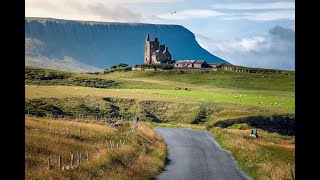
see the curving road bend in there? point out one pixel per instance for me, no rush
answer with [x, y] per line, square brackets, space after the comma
[195, 155]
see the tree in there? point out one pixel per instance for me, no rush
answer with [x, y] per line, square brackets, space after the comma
[122, 65]
[113, 67]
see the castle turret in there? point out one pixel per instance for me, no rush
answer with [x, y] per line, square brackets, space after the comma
[167, 54]
[147, 52]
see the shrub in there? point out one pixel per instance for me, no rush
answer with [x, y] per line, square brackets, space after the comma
[154, 66]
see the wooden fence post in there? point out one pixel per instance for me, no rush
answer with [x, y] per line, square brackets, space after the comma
[60, 162]
[87, 156]
[49, 165]
[71, 163]
[78, 158]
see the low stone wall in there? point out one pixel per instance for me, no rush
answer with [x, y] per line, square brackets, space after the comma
[176, 69]
[236, 69]
[192, 69]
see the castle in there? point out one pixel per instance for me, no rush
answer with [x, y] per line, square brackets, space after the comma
[156, 53]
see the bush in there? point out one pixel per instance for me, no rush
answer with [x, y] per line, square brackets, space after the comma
[44, 74]
[119, 67]
[154, 66]
[123, 65]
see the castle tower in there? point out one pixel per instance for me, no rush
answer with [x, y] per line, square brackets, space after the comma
[156, 53]
[147, 52]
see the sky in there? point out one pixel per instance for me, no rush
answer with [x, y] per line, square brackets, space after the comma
[254, 33]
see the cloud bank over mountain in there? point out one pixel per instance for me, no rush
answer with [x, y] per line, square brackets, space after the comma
[275, 50]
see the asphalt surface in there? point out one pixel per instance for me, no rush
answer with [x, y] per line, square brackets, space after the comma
[195, 155]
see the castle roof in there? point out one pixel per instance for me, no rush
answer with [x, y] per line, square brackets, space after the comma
[185, 61]
[199, 62]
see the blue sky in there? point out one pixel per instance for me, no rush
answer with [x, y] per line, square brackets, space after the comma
[256, 33]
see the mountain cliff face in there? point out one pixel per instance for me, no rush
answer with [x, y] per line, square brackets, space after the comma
[99, 45]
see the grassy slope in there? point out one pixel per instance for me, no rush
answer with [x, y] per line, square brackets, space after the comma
[137, 159]
[211, 97]
[271, 157]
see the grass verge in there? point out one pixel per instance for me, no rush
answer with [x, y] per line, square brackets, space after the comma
[141, 157]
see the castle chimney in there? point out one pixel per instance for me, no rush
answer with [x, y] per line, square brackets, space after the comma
[156, 39]
[166, 48]
[148, 38]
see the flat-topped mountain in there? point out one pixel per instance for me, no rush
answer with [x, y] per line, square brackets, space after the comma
[92, 46]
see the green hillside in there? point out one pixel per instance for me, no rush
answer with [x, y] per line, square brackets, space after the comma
[228, 104]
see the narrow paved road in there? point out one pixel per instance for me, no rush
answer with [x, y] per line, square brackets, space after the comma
[195, 155]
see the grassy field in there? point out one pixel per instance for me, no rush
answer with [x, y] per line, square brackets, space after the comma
[228, 104]
[141, 157]
[271, 157]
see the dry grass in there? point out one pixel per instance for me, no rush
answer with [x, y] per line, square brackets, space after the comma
[265, 158]
[142, 156]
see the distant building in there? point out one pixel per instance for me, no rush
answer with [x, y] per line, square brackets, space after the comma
[197, 64]
[215, 65]
[156, 53]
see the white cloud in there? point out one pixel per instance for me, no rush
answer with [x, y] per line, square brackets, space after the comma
[83, 10]
[114, 13]
[267, 11]
[246, 44]
[252, 16]
[93, 10]
[86, 2]
[263, 16]
[276, 50]
[251, 6]
[33, 46]
[65, 64]
[190, 13]
[119, 11]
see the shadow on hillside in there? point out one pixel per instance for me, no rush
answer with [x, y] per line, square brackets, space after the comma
[200, 118]
[152, 117]
[284, 125]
